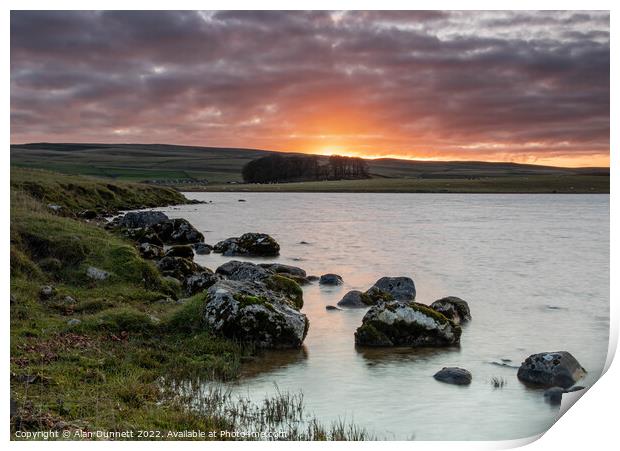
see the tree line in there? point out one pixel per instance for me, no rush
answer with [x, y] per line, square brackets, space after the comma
[294, 168]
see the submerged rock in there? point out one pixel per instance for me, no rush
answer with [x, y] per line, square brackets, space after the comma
[453, 375]
[551, 369]
[453, 308]
[398, 323]
[249, 244]
[353, 299]
[257, 312]
[151, 251]
[330, 279]
[331, 307]
[553, 395]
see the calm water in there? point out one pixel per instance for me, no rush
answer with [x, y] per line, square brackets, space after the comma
[534, 269]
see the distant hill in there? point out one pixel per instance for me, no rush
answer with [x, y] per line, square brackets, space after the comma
[198, 165]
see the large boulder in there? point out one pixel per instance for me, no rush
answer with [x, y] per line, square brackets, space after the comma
[248, 244]
[353, 299]
[254, 312]
[196, 283]
[453, 308]
[178, 231]
[179, 267]
[398, 288]
[397, 323]
[549, 369]
[237, 270]
[136, 219]
[453, 375]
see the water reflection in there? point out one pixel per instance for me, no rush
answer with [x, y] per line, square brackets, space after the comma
[268, 361]
[374, 356]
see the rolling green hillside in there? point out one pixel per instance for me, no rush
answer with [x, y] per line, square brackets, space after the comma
[208, 167]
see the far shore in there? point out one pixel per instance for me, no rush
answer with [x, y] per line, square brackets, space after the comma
[539, 184]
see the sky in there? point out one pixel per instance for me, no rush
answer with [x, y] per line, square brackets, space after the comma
[527, 87]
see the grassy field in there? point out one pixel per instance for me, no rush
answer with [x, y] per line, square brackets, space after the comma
[187, 167]
[119, 354]
[516, 184]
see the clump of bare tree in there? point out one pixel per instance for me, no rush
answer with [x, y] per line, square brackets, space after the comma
[291, 168]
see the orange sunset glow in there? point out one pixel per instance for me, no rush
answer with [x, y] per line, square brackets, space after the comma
[526, 87]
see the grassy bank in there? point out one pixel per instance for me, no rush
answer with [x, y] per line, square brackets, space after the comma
[110, 355]
[76, 193]
[509, 184]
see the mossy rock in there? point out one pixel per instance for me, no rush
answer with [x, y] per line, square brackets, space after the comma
[287, 286]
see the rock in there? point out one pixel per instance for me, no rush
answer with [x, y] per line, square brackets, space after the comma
[143, 235]
[292, 272]
[286, 270]
[151, 251]
[241, 200]
[202, 248]
[236, 270]
[331, 307]
[400, 288]
[253, 312]
[398, 323]
[136, 219]
[353, 299]
[453, 375]
[249, 244]
[330, 279]
[178, 267]
[68, 300]
[55, 208]
[304, 242]
[180, 251]
[47, 292]
[199, 282]
[575, 388]
[96, 273]
[553, 395]
[312, 278]
[88, 214]
[74, 322]
[177, 231]
[453, 308]
[549, 369]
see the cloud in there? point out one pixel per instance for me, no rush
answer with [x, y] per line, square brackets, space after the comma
[413, 83]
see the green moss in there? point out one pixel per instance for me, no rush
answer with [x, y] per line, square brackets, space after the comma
[189, 317]
[245, 300]
[367, 333]
[373, 297]
[289, 287]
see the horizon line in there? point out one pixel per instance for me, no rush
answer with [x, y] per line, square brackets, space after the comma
[371, 157]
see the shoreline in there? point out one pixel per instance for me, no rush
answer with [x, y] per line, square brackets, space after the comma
[569, 184]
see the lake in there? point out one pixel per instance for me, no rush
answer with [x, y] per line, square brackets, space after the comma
[533, 268]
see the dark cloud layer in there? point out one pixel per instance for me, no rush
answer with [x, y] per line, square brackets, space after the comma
[521, 86]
